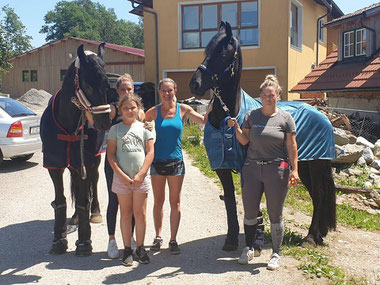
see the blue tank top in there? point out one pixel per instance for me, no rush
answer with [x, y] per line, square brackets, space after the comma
[168, 137]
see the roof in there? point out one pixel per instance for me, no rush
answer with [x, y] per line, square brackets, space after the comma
[336, 12]
[331, 75]
[125, 49]
[139, 5]
[367, 11]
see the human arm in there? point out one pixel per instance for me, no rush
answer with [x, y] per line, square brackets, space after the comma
[291, 146]
[149, 155]
[113, 112]
[150, 115]
[192, 114]
[111, 155]
[241, 134]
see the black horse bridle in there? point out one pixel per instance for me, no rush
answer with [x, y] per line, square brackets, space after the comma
[215, 77]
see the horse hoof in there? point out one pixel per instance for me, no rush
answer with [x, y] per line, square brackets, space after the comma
[59, 246]
[84, 248]
[96, 218]
[309, 242]
[74, 221]
[230, 246]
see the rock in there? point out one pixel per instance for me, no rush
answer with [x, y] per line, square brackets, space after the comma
[361, 161]
[341, 137]
[363, 141]
[367, 184]
[375, 195]
[376, 149]
[374, 171]
[375, 164]
[368, 155]
[355, 171]
[374, 176]
[349, 153]
[36, 100]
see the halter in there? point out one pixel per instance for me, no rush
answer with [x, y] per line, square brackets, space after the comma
[81, 101]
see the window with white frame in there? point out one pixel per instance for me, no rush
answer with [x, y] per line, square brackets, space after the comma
[200, 22]
[361, 42]
[321, 30]
[296, 24]
[348, 44]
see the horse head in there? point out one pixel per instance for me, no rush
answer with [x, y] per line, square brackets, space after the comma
[91, 85]
[220, 70]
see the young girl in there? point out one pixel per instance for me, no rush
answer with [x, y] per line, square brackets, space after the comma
[130, 153]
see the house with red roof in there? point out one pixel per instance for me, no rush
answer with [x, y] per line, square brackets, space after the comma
[45, 67]
[350, 76]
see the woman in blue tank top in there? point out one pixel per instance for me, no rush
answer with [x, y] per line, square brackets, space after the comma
[168, 160]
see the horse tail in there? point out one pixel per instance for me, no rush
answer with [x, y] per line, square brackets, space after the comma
[328, 214]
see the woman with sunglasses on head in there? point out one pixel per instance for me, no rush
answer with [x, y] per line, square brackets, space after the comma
[271, 135]
[168, 165]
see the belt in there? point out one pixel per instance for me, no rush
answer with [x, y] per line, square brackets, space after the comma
[265, 162]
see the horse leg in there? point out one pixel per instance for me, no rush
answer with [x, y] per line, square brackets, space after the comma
[313, 186]
[231, 242]
[95, 217]
[81, 190]
[59, 245]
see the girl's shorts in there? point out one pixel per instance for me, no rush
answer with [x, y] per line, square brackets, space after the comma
[168, 168]
[119, 188]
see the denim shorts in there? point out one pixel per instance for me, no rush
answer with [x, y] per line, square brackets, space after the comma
[178, 170]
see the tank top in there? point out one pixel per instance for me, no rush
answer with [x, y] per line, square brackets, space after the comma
[168, 137]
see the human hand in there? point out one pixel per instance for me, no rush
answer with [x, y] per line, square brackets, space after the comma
[138, 179]
[149, 125]
[126, 180]
[232, 122]
[293, 178]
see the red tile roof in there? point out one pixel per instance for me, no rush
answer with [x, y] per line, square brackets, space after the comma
[354, 14]
[130, 50]
[330, 75]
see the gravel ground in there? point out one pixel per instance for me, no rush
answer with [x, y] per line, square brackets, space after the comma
[26, 224]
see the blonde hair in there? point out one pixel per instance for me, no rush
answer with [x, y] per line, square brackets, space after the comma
[164, 80]
[130, 97]
[272, 81]
[125, 77]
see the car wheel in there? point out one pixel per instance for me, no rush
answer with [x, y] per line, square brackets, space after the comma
[1, 157]
[23, 157]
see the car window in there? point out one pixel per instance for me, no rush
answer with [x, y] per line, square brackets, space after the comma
[14, 108]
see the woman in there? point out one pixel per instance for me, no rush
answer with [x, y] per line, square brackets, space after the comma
[168, 160]
[124, 86]
[271, 135]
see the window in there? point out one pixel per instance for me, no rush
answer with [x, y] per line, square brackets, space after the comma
[361, 42]
[349, 44]
[25, 76]
[296, 24]
[33, 76]
[201, 22]
[62, 73]
[321, 31]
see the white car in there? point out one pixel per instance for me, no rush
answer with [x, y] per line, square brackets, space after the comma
[19, 131]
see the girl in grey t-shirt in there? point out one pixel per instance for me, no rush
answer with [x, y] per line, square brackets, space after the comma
[271, 135]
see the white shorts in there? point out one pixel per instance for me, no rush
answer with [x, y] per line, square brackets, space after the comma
[119, 188]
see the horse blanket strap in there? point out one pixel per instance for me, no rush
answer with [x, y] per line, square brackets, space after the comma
[60, 148]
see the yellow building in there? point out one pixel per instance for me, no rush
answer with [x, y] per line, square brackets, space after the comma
[277, 36]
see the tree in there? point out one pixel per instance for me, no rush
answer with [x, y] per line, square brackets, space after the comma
[88, 20]
[4, 52]
[14, 32]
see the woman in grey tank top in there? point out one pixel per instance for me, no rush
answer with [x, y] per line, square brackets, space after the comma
[271, 135]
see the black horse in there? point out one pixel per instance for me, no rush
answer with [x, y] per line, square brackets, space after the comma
[69, 141]
[220, 72]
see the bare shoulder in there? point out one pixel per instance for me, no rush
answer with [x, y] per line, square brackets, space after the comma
[185, 108]
[151, 114]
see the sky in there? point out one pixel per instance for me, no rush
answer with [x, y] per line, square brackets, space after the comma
[32, 12]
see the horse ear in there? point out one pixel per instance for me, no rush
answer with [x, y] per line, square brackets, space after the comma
[101, 50]
[228, 31]
[80, 53]
[222, 26]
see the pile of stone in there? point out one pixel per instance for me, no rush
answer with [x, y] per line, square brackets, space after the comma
[36, 100]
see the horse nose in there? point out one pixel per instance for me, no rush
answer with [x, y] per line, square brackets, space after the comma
[194, 85]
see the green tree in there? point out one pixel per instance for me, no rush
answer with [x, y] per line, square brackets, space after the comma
[5, 52]
[89, 20]
[14, 32]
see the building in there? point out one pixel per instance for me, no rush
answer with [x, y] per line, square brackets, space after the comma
[282, 37]
[350, 76]
[45, 67]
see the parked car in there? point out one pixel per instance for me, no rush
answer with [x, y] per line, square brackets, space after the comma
[19, 131]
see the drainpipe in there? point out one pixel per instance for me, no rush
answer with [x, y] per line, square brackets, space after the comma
[134, 5]
[329, 7]
[364, 26]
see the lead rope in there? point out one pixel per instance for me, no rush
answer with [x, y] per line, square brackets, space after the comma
[83, 171]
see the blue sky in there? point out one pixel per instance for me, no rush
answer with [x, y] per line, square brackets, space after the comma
[32, 12]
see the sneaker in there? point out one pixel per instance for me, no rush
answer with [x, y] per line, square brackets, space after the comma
[157, 242]
[173, 246]
[257, 252]
[127, 257]
[274, 262]
[142, 255]
[246, 256]
[112, 250]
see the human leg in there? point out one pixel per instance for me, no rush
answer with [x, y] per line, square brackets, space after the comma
[158, 185]
[175, 186]
[126, 210]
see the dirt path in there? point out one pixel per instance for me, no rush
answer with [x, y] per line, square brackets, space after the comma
[26, 224]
